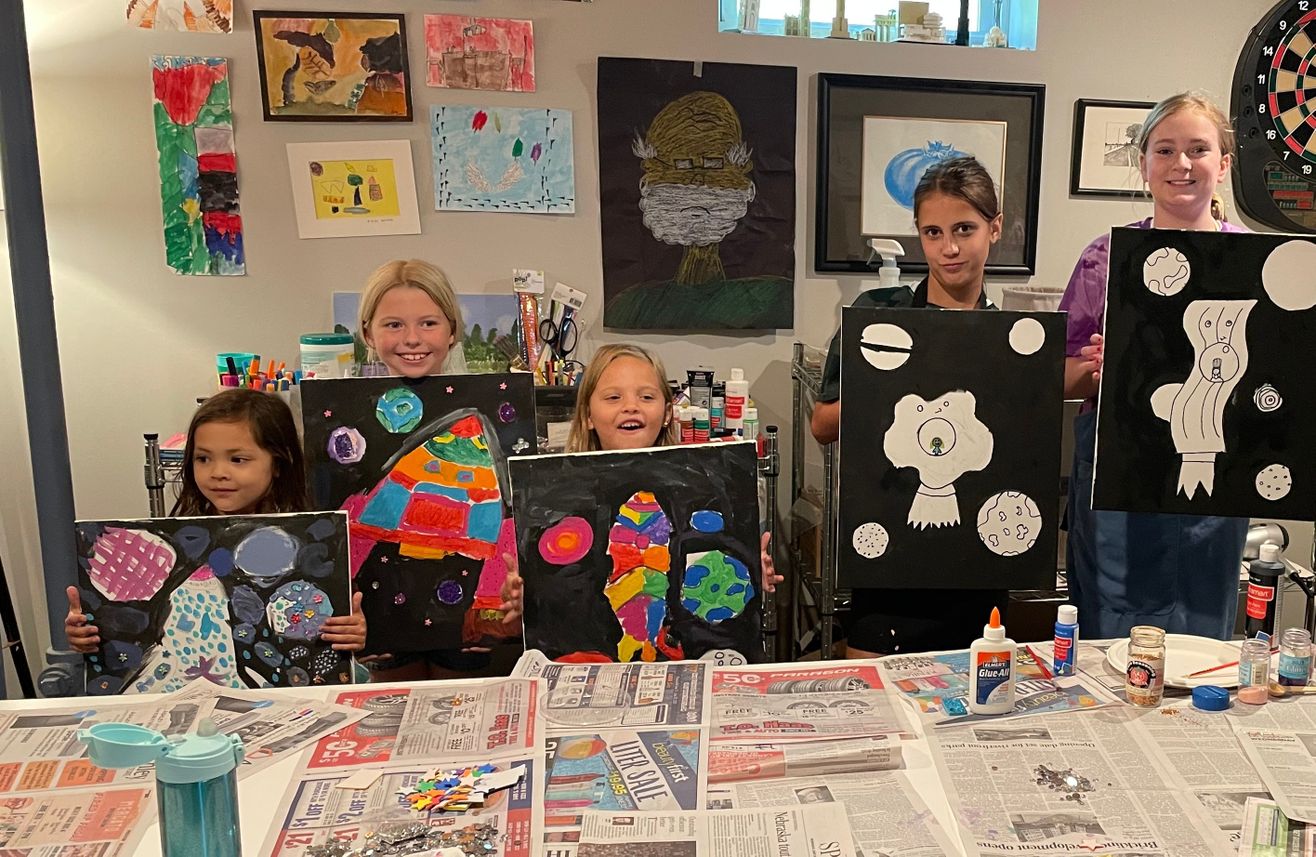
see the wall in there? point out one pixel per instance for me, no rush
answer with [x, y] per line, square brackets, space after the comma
[137, 342]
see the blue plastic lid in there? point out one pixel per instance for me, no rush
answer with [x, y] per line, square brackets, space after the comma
[326, 339]
[1209, 697]
[186, 759]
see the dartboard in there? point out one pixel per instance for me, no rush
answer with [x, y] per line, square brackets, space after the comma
[1274, 107]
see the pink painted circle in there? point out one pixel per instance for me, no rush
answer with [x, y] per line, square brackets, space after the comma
[567, 541]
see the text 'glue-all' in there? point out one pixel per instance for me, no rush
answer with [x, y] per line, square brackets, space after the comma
[1066, 641]
[991, 670]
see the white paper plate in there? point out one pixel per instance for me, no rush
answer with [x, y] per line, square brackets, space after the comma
[1186, 654]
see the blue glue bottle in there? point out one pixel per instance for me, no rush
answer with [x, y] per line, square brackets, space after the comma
[196, 782]
[1066, 641]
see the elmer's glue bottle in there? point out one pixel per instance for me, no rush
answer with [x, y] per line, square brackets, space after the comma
[991, 670]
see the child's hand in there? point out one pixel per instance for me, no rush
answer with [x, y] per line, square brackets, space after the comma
[513, 592]
[770, 576]
[346, 633]
[83, 637]
[1094, 354]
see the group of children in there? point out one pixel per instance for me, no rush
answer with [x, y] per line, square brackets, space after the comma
[243, 455]
[1178, 572]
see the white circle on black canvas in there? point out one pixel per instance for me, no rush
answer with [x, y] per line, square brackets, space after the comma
[1027, 336]
[870, 540]
[1274, 482]
[1009, 523]
[1287, 275]
[885, 346]
[1166, 272]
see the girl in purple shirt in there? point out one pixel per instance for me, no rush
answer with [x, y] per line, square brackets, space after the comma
[1178, 572]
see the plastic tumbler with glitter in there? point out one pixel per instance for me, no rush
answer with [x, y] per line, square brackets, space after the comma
[196, 782]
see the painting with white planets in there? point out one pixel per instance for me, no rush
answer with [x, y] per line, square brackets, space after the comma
[1205, 405]
[950, 448]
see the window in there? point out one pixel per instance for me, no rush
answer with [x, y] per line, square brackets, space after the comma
[1018, 18]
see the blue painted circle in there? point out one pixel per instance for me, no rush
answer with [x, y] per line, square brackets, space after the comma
[707, 521]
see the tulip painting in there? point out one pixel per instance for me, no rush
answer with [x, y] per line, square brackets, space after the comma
[198, 166]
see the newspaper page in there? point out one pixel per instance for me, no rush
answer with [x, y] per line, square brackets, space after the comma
[1287, 764]
[886, 814]
[1067, 783]
[1296, 714]
[599, 696]
[814, 830]
[461, 721]
[729, 763]
[1198, 749]
[41, 750]
[1267, 832]
[786, 703]
[315, 811]
[937, 685]
[272, 726]
[107, 823]
[1090, 660]
[618, 771]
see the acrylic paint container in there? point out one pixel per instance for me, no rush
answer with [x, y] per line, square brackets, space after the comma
[328, 355]
[701, 425]
[1263, 579]
[737, 396]
[686, 420]
[717, 410]
[1254, 672]
[1066, 641]
[1295, 655]
[701, 386]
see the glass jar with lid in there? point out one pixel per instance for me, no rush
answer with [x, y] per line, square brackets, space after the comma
[1144, 677]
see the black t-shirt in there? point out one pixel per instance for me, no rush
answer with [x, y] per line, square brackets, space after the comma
[895, 621]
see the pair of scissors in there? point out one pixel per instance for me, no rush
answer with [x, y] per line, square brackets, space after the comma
[562, 335]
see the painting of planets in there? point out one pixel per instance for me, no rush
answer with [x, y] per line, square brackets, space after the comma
[239, 600]
[1203, 408]
[653, 554]
[950, 448]
[420, 467]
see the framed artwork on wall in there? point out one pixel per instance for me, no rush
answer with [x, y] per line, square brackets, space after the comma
[1105, 159]
[333, 66]
[878, 135]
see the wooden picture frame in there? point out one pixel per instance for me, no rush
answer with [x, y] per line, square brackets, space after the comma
[846, 100]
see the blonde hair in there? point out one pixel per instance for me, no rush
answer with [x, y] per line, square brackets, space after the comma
[585, 439]
[1204, 107]
[416, 274]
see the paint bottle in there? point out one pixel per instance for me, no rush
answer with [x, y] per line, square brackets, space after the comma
[701, 386]
[1294, 658]
[749, 428]
[991, 669]
[701, 425]
[737, 395]
[717, 409]
[1254, 672]
[1263, 577]
[196, 779]
[686, 420]
[1066, 641]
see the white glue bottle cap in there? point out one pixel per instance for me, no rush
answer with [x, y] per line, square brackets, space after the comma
[994, 630]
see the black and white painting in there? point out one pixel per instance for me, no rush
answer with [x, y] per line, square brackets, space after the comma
[950, 448]
[1205, 402]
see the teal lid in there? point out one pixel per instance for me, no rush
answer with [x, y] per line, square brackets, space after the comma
[326, 339]
[184, 759]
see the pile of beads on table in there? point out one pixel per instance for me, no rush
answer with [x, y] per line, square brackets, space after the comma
[414, 837]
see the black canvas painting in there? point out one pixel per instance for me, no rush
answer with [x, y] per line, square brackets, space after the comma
[239, 600]
[950, 448]
[697, 188]
[1206, 404]
[650, 555]
[420, 467]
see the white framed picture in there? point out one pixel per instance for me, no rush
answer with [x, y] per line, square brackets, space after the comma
[349, 189]
[1105, 157]
[897, 150]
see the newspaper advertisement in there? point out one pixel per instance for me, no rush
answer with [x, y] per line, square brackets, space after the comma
[1267, 832]
[814, 830]
[1287, 764]
[466, 720]
[1198, 749]
[598, 696]
[107, 823]
[1089, 660]
[886, 814]
[937, 685]
[41, 751]
[620, 771]
[271, 726]
[729, 763]
[315, 811]
[368, 741]
[1067, 784]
